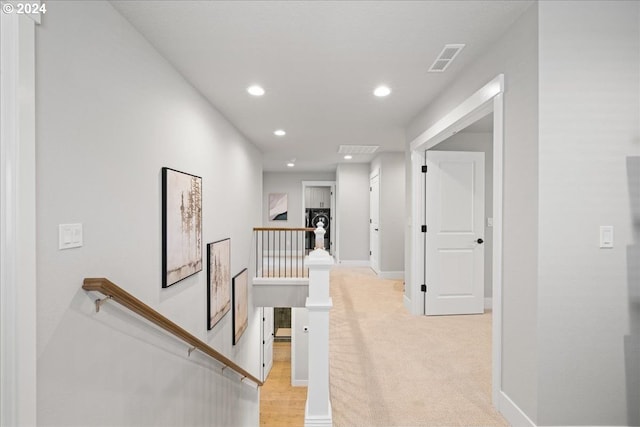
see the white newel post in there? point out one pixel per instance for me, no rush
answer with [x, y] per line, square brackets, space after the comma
[318, 408]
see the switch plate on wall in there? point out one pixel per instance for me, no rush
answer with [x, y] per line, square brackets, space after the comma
[69, 236]
[606, 236]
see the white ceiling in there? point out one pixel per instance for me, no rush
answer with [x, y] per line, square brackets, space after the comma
[319, 62]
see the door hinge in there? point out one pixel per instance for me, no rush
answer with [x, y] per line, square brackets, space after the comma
[264, 319]
[424, 228]
[370, 188]
[424, 168]
[263, 365]
[423, 288]
[369, 253]
[264, 342]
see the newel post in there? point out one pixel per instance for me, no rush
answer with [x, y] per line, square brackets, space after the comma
[318, 408]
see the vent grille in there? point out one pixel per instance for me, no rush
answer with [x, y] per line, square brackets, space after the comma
[358, 149]
[446, 57]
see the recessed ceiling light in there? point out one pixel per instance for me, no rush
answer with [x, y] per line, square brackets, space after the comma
[279, 132]
[255, 90]
[381, 91]
[291, 164]
[348, 157]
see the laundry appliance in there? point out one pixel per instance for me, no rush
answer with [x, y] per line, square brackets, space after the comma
[314, 216]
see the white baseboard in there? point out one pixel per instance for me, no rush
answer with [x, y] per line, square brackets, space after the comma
[488, 303]
[299, 383]
[355, 263]
[324, 420]
[391, 275]
[512, 413]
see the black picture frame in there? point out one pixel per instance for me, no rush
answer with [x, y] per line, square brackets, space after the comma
[218, 281]
[181, 225]
[240, 304]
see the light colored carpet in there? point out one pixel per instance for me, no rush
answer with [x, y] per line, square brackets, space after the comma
[389, 368]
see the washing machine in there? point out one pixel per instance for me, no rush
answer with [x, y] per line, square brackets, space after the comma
[324, 214]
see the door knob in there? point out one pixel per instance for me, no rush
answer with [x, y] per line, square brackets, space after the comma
[480, 241]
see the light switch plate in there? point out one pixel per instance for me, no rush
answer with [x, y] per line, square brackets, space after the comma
[606, 236]
[69, 236]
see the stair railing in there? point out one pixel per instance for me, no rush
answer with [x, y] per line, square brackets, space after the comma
[280, 252]
[116, 293]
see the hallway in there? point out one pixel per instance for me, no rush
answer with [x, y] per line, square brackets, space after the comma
[389, 368]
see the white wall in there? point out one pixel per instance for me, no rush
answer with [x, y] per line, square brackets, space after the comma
[479, 142]
[516, 55]
[111, 112]
[352, 187]
[392, 215]
[589, 128]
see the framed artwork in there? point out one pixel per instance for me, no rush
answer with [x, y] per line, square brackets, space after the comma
[240, 304]
[218, 281]
[278, 207]
[181, 225]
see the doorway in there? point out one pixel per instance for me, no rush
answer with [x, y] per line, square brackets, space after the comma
[282, 324]
[487, 99]
[319, 204]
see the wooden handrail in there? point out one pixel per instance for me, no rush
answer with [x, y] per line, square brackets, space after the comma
[113, 291]
[282, 229]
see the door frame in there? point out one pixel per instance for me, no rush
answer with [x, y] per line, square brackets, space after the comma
[333, 234]
[487, 99]
[18, 295]
[377, 269]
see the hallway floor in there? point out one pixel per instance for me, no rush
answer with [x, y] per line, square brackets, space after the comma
[389, 368]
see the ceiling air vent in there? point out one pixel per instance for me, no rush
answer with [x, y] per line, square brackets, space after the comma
[358, 149]
[446, 57]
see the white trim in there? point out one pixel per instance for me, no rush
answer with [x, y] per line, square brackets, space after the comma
[460, 117]
[483, 101]
[354, 263]
[17, 221]
[391, 275]
[512, 413]
[35, 17]
[496, 271]
[325, 420]
[488, 303]
[299, 383]
[293, 342]
[375, 172]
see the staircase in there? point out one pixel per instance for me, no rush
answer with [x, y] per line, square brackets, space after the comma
[288, 275]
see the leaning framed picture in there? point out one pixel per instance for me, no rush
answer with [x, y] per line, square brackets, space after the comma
[218, 281]
[240, 304]
[181, 225]
[278, 206]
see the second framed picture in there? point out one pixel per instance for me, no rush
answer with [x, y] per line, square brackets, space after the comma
[218, 281]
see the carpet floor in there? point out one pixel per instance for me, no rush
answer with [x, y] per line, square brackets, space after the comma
[389, 368]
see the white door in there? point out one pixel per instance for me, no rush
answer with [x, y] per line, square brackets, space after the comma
[374, 222]
[455, 232]
[267, 341]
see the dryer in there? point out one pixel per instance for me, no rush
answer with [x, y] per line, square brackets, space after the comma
[315, 215]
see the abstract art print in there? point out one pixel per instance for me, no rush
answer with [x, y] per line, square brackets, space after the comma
[278, 207]
[240, 304]
[181, 225]
[218, 281]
